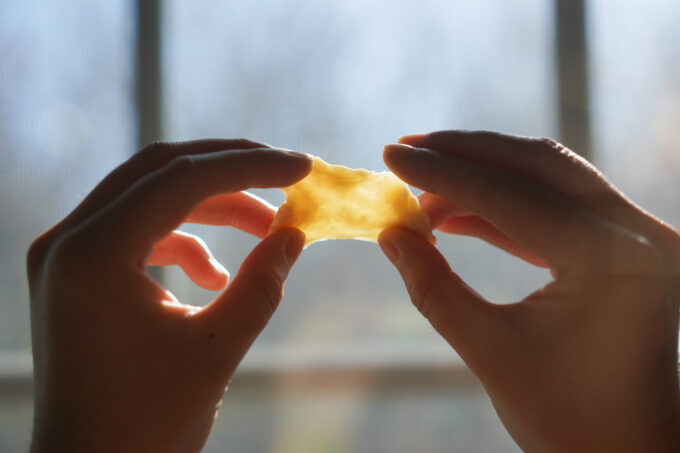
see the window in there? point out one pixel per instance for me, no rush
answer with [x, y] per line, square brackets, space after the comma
[347, 363]
[332, 80]
[339, 80]
[635, 50]
[66, 119]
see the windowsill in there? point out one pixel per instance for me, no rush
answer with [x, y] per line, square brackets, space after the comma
[342, 355]
[314, 359]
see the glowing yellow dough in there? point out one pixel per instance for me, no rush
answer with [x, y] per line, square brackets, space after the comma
[336, 202]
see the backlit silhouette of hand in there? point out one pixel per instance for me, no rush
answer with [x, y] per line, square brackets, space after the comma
[120, 364]
[587, 363]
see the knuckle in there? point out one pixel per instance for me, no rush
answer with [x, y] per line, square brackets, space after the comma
[59, 250]
[156, 148]
[55, 250]
[270, 290]
[53, 260]
[182, 163]
[67, 252]
[423, 291]
[560, 151]
[550, 145]
[178, 169]
[37, 254]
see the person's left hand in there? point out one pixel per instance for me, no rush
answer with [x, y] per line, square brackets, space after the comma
[589, 361]
[119, 363]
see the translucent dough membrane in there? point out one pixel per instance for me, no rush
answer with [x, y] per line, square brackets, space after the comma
[336, 202]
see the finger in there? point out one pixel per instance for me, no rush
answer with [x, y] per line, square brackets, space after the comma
[439, 209]
[537, 218]
[456, 311]
[448, 218]
[193, 256]
[411, 139]
[144, 162]
[241, 210]
[544, 161]
[158, 203]
[477, 227]
[244, 309]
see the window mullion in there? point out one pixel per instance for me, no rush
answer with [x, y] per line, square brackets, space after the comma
[148, 81]
[572, 75]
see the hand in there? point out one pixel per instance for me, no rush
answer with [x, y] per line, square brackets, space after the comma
[587, 363]
[120, 364]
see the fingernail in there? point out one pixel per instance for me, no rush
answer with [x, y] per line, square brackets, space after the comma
[400, 149]
[296, 154]
[410, 151]
[294, 246]
[390, 251]
[411, 138]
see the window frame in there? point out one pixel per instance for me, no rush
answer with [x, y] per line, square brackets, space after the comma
[574, 130]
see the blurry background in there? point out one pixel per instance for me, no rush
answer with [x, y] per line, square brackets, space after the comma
[346, 364]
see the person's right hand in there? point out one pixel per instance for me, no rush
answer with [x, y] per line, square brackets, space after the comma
[587, 363]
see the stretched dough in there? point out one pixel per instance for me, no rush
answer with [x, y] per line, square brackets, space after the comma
[336, 202]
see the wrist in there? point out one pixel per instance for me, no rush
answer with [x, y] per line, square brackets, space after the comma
[658, 432]
[96, 428]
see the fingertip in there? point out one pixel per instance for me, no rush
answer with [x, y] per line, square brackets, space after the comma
[411, 139]
[303, 161]
[256, 290]
[411, 250]
[269, 167]
[396, 156]
[221, 275]
[216, 284]
[395, 241]
[387, 246]
[397, 149]
[285, 246]
[294, 244]
[400, 234]
[389, 234]
[307, 160]
[406, 156]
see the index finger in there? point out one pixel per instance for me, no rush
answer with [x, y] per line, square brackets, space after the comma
[142, 163]
[529, 213]
[157, 204]
[547, 162]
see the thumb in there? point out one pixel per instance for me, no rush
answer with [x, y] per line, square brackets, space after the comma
[244, 309]
[455, 310]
